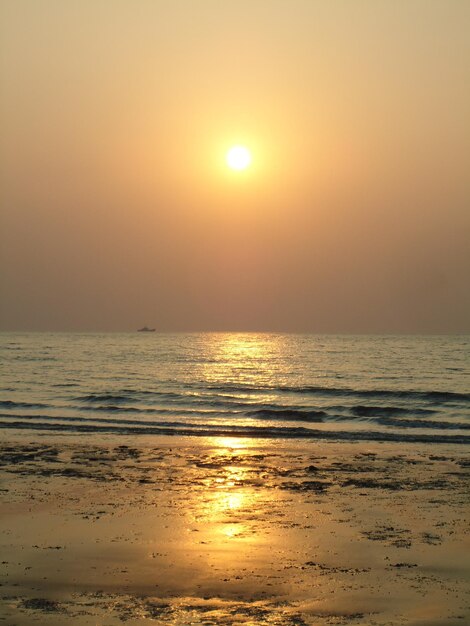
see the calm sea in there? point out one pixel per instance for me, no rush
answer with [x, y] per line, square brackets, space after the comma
[229, 384]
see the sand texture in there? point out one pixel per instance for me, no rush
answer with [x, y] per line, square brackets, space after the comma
[186, 531]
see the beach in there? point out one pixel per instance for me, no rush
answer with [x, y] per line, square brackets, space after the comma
[232, 531]
[234, 313]
[234, 479]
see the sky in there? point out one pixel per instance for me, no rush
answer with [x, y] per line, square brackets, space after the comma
[117, 208]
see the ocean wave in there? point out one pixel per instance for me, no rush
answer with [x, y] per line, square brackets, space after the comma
[283, 414]
[269, 432]
[425, 424]
[110, 408]
[103, 397]
[10, 404]
[126, 395]
[362, 410]
[95, 420]
[432, 396]
[218, 396]
[288, 414]
[34, 359]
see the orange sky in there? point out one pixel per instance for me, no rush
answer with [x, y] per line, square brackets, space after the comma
[117, 208]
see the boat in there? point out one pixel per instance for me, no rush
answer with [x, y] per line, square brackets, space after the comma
[146, 329]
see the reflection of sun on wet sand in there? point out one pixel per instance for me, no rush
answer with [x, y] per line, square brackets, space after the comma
[232, 532]
[227, 510]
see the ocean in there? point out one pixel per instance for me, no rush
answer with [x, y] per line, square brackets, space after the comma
[318, 387]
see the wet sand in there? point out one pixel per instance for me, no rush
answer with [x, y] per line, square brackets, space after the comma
[232, 532]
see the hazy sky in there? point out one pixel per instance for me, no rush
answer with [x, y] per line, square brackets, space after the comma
[117, 208]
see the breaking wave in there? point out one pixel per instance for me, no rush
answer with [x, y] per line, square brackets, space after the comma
[234, 431]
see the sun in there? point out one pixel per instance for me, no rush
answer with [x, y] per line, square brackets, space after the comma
[238, 158]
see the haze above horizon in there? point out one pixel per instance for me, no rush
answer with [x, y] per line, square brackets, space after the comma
[118, 209]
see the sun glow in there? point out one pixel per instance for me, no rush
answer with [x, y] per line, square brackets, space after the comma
[238, 158]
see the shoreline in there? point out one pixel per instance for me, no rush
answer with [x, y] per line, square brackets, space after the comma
[241, 432]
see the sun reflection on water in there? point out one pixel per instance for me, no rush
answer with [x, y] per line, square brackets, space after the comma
[227, 444]
[242, 358]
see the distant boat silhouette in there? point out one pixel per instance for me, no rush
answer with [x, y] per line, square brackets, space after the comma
[146, 329]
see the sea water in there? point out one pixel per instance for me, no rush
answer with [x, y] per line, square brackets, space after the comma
[383, 388]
